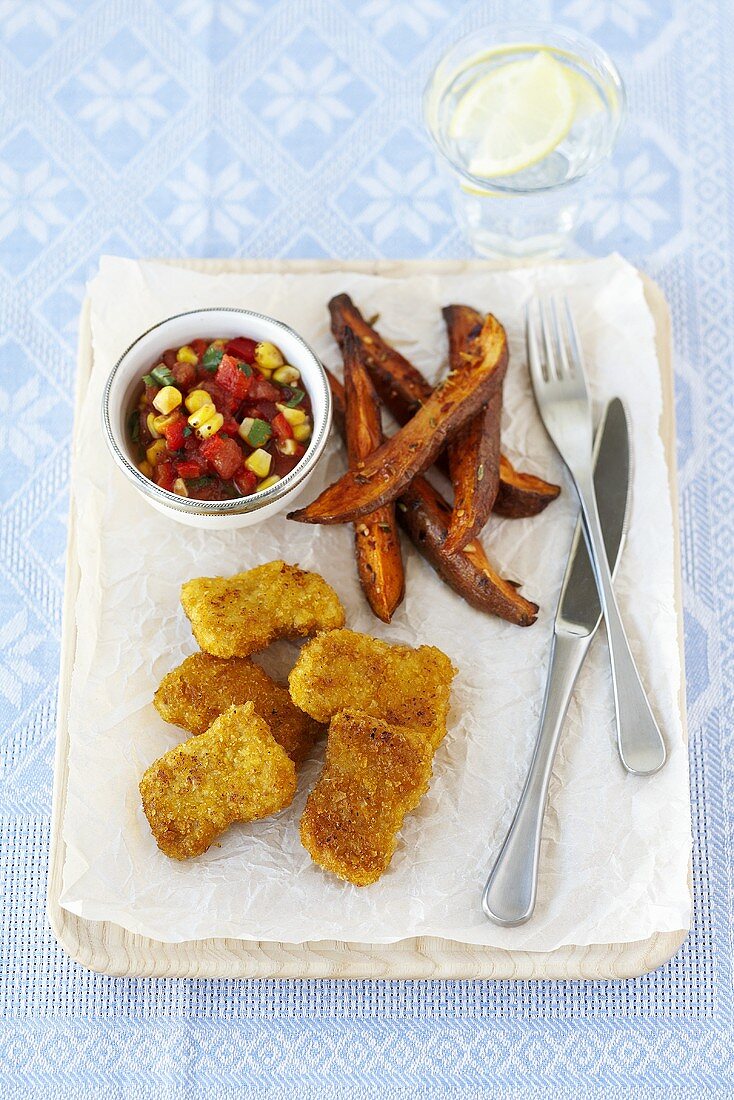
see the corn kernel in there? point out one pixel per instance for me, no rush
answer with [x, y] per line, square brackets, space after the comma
[167, 399]
[286, 376]
[187, 355]
[196, 399]
[179, 487]
[151, 419]
[267, 482]
[288, 446]
[293, 416]
[302, 432]
[155, 451]
[160, 423]
[202, 414]
[145, 468]
[211, 426]
[259, 462]
[267, 356]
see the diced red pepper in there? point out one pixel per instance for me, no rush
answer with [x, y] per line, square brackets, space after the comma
[230, 426]
[233, 380]
[199, 347]
[242, 348]
[169, 357]
[262, 390]
[190, 468]
[261, 410]
[184, 374]
[245, 481]
[165, 475]
[222, 400]
[281, 427]
[223, 455]
[174, 433]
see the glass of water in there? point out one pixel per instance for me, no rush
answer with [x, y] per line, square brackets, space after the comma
[522, 114]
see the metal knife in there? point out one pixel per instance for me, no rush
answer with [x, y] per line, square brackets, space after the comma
[509, 895]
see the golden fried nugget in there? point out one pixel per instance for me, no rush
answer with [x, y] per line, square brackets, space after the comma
[373, 775]
[203, 687]
[236, 616]
[403, 686]
[236, 771]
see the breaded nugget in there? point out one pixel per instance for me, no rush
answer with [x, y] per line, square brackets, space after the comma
[236, 771]
[236, 616]
[403, 686]
[203, 687]
[373, 775]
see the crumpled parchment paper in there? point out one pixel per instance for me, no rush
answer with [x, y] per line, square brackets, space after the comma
[616, 847]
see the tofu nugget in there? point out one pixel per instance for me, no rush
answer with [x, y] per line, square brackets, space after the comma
[403, 686]
[236, 771]
[373, 775]
[203, 687]
[236, 616]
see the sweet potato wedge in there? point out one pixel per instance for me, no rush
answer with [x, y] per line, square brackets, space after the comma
[390, 469]
[474, 453]
[376, 536]
[423, 514]
[403, 389]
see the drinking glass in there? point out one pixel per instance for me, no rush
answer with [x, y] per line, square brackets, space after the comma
[519, 144]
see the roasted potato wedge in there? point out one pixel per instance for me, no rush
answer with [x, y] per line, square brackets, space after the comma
[373, 775]
[389, 469]
[237, 616]
[402, 685]
[202, 687]
[376, 536]
[403, 389]
[424, 516]
[474, 453]
[236, 771]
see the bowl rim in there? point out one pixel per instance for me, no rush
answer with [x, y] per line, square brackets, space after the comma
[237, 505]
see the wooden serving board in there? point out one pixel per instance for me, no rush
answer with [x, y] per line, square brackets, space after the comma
[110, 949]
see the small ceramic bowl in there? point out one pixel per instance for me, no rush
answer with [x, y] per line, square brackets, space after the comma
[124, 381]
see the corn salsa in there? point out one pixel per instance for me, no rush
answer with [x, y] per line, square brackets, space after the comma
[217, 419]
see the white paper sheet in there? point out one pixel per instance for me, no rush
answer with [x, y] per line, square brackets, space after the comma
[616, 847]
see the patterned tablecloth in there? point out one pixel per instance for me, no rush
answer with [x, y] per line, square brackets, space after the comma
[264, 128]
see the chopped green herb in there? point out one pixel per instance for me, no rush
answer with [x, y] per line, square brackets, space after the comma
[162, 376]
[198, 482]
[212, 357]
[246, 369]
[149, 380]
[133, 426]
[294, 398]
[259, 433]
[187, 431]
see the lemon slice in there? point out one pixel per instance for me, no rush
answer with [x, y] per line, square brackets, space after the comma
[515, 115]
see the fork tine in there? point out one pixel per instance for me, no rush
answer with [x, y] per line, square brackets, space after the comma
[565, 368]
[577, 357]
[535, 361]
[551, 357]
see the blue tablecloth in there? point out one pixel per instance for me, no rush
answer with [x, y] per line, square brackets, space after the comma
[258, 128]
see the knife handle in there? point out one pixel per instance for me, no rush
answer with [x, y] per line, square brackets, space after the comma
[509, 896]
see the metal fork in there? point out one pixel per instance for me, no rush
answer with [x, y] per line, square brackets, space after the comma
[559, 381]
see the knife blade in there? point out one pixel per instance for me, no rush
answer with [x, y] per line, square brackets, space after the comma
[510, 891]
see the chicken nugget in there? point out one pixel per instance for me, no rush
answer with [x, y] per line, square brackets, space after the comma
[236, 771]
[203, 687]
[236, 616]
[403, 686]
[373, 774]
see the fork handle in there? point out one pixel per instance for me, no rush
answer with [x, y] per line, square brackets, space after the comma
[641, 745]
